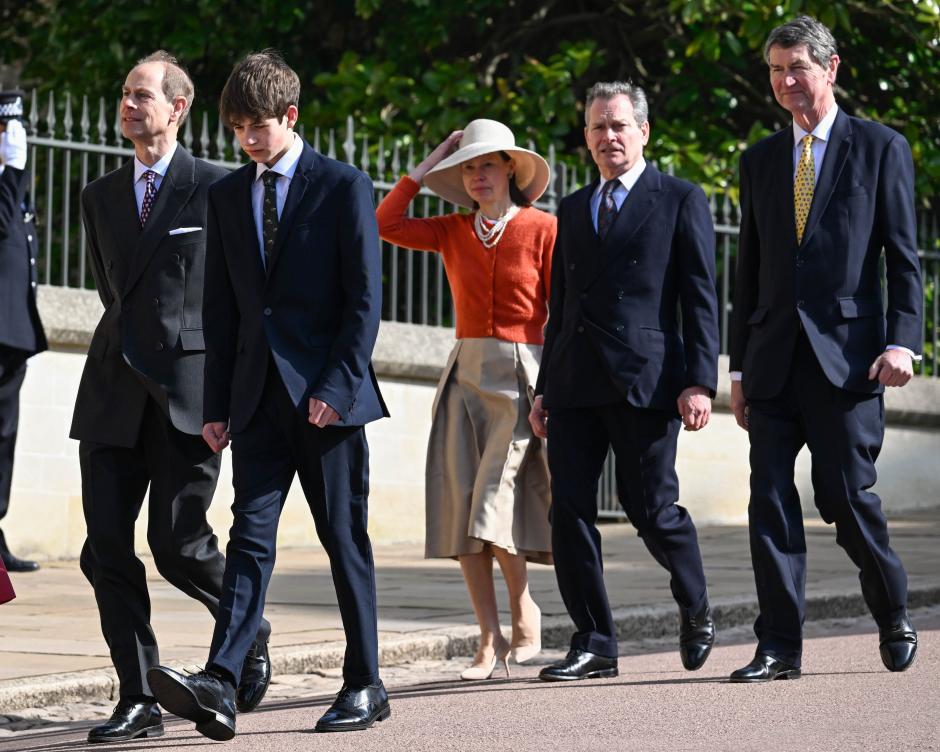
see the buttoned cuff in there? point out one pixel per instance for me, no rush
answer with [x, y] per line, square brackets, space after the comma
[916, 358]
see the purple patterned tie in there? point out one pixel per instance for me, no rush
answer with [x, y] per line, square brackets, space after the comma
[607, 211]
[150, 192]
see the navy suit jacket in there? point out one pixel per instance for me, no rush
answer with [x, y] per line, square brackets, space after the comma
[613, 331]
[149, 342]
[830, 283]
[20, 326]
[315, 309]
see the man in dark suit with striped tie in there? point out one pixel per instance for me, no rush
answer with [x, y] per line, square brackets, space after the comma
[621, 371]
[813, 347]
[138, 415]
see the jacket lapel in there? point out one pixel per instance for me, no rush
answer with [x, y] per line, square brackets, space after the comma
[837, 151]
[587, 249]
[250, 230]
[177, 186]
[126, 227]
[295, 195]
[634, 211]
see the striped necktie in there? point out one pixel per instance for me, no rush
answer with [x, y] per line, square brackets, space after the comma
[803, 186]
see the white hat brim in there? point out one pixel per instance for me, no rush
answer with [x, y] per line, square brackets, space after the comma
[532, 172]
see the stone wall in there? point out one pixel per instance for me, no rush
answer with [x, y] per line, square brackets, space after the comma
[45, 519]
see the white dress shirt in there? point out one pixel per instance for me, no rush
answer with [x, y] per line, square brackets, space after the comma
[285, 168]
[820, 136]
[627, 180]
[160, 167]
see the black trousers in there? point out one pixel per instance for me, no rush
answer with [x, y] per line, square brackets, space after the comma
[181, 473]
[844, 432]
[644, 444]
[12, 372]
[333, 467]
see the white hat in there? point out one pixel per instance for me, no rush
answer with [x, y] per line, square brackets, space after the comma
[484, 137]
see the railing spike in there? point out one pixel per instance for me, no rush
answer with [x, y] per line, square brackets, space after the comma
[331, 145]
[117, 123]
[50, 117]
[396, 161]
[364, 159]
[33, 114]
[380, 159]
[188, 132]
[204, 137]
[220, 142]
[102, 122]
[67, 120]
[349, 145]
[316, 138]
[85, 122]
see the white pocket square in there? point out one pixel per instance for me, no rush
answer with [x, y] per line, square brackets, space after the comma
[183, 230]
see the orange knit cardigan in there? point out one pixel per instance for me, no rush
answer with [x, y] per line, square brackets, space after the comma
[499, 292]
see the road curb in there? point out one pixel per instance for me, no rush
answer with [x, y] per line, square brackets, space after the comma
[100, 685]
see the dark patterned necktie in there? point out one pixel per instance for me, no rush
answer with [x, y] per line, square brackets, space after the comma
[269, 214]
[607, 211]
[150, 193]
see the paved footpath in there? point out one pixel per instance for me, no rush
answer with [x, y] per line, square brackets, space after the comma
[845, 701]
[52, 654]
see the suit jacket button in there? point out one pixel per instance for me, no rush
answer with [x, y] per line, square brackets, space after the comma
[156, 301]
[571, 267]
[800, 303]
[159, 346]
[176, 257]
[580, 328]
[619, 327]
[267, 311]
[583, 295]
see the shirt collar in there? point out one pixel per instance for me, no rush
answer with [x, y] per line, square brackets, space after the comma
[286, 165]
[627, 179]
[160, 166]
[822, 129]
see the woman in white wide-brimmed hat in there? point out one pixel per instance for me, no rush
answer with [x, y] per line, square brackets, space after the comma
[487, 484]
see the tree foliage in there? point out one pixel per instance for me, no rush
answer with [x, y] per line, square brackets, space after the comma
[416, 69]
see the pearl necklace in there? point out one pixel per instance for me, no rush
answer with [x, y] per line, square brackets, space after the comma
[489, 231]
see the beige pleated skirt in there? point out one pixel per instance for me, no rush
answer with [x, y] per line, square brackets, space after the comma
[487, 476]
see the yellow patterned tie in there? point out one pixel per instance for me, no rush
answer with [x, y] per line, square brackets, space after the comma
[803, 186]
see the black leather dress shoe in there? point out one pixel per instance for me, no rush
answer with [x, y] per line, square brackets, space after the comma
[580, 664]
[256, 676]
[356, 708]
[696, 637]
[765, 668]
[202, 698]
[15, 564]
[898, 645]
[131, 719]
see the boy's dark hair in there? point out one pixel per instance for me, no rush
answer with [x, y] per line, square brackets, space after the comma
[176, 81]
[261, 86]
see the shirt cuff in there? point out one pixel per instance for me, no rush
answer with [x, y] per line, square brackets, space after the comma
[916, 358]
[735, 375]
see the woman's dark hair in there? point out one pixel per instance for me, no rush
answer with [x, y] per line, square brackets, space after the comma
[517, 196]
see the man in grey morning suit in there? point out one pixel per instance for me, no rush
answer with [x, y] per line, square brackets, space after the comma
[138, 414]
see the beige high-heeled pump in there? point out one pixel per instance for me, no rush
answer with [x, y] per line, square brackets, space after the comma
[480, 671]
[523, 653]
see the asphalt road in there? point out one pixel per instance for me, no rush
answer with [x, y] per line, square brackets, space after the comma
[845, 701]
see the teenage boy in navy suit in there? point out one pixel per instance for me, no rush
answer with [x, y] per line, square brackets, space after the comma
[291, 313]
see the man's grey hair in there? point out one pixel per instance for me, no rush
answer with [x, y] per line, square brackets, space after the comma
[176, 81]
[804, 30]
[610, 89]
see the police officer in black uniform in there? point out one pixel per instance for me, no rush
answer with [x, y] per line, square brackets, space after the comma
[21, 332]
